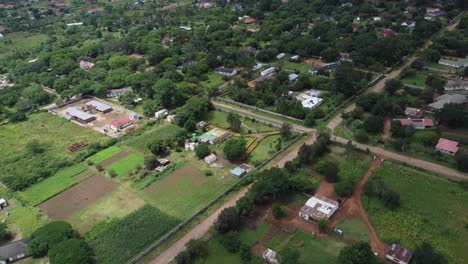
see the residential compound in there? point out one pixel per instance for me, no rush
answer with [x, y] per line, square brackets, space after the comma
[310, 99]
[318, 207]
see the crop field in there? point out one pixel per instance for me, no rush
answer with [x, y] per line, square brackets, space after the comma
[104, 154]
[125, 165]
[55, 184]
[266, 148]
[115, 205]
[121, 239]
[165, 133]
[432, 210]
[64, 205]
[187, 189]
[219, 118]
[22, 167]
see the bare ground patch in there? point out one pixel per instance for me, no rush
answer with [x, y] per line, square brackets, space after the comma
[115, 158]
[77, 197]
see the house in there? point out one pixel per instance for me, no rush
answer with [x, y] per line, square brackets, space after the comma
[246, 167]
[294, 58]
[447, 146]
[164, 162]
[100, 107]
[76, 24]
[399, 254]
[185, 28]
[121, 124]
[86, 65]
[257, 66]
[238, 172]
[214, 136]
[318, 207]
[280, 56]
[292, 77]
[210, 158]
[202, 124]
[14, 251]
[135, 116]
[79, 116]
[136, 56]
[456, 85]
[226, 71]
[457, 63]
[161, 113]
[188, 63]
[435, 12]
[254, 82]
[95, 10]
[386, 32]
[329, 67]
[412, 112]
[249, 20]
[1, 35]
[3, 203]
[268, 71]
[410, 24]
[270, 256]
[424, 123]
[310, 99]
[116, 93]
[442, 100]
[190, 146]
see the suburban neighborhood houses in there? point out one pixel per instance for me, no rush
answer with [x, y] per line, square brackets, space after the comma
[229, 131]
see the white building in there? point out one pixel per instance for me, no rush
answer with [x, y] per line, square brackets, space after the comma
[210, 158]
[267, 71]
[310, 99]
[76, 24]
[280, 56]
[270, 256]
[161, 113]
[318, 207]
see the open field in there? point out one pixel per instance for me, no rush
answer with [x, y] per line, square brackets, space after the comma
[419, 79]
[187, 189]
[125, 165]
[117, 204]
[22, 167]
[21, 41]
[55, 184]
[214, 80]
[300, 67]
[64, 205]
[354, 229]
[104, 154]
[164, 133]
[265, 149]
[432, 210]
[23, 221]
[120, 240]
[219, 118]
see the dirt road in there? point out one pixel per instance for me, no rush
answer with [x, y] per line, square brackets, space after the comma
[422, 164]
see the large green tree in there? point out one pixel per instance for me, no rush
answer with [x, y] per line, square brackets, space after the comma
[71, 251]
[359, 253]
[49, 235]
[234, 148]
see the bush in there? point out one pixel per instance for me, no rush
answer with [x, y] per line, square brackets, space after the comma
[377, 188]
[462, 161]
[228, 220]
[230, 241]
[344, 188]
[330, 170]
[202, 151]
[361, 136]
[197, 248]
[151, 162]
[323, 225]
[234, 148]
[46, 237]
[183, 258]
[208, 173]
[71, 251]
[359, 253]
[245, 253]
[277, 211]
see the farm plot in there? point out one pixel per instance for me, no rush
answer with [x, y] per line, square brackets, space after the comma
[126, 164]
[186, 190]
[55, 184]
[64, 205]
[120, 240]
[432, 210]
[104, 154]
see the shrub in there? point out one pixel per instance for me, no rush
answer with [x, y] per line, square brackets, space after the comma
[323, 225]
[227, 220]
[344, 188]
[208, 173]
[197, 249]
[361, 136]
[112, 173]
[277, 211]
[359, 253]
[151, 162]
[46, 237]
[183, 258]
[71, 251]
[245, 253]
[202, 151]
[234, 148]
[230, 241]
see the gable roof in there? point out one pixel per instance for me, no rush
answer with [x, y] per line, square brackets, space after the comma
[400, 253]
[99, 106]
[121, 122]
[426, 122]
[15, 249]
[447, 145]
[447, 99]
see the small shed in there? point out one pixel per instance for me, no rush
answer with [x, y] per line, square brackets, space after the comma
[238, 172]
[399, 254]
[210, 158]
[161, 113]
[3, 203]
[270, 256]
[14, 251]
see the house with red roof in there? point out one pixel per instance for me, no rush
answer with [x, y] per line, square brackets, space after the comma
[86, 65]
[249, 20]
[418, 123]
[95, 10]
[121, 124]
[387, 32]
[447, 146]
[412, 112]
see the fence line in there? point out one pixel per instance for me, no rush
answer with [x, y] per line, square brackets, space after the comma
[207, 206]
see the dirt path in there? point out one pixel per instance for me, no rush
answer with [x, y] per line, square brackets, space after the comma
[115, 158]
[294, 152]
[353, 207]
[387, 128]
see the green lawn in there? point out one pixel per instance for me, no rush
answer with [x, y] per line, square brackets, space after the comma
[104, 154]
[126, 164]
[354, 229]
[419, 79]
[163, 132]
[250, 236]
[432, 210]
[295, 66]
[265, 149]
[219, 118]
[54, 185]
[24, 220]
[214, 80]
[21, 41]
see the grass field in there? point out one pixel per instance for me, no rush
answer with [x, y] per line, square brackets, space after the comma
[265, 149]
[164, 132]
[24, 220]
[126, 164]
[354, 229]
[219, 118]
[187, 189]
[352, 165]
[214, 80]
[119, 240]
[104, 154]
[55, 184]
[301, 67]
[419, 79]
[21, 41]
[432, 210]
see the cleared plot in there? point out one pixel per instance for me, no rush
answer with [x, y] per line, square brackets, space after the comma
[104, 154]
[219, 118]
[186, 190]
[120, 240]
[265, 149]
[300, 67]
[23, 221]
[22, 41]
[166, 133]
[127, 164]
[354, 229]
[214, 80]
[432, 210]
[53, 185]
[418, 79]
[116, 204]
[64, 205]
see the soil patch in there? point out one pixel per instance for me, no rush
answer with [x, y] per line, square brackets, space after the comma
[327, 189]
[77, 197]
[188, 173]
[115, 158]
[314, 62]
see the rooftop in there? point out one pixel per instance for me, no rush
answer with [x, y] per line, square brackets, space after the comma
[411, 111]
[447, 99]
[426, 122]
[447, 145]
[99, 106]
[14, 249]
[75, 112]
[319, 207]
[400, 253]
[121, 122]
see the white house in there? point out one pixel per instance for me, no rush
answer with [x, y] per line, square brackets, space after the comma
[270, 256]
[3, 203]
[161, 113]
[280, 56]
[267, 71]
[318, 207]
[226, 71]
[210, 158]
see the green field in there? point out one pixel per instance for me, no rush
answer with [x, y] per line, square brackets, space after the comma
[432, 210]
[120, 240]
[419, 79]
[21, 41]
[54, 185]
[295, 66]
[165, 132]
[214, 80]
[219, 118]
[127, 164]
[354, 229]
[352, 165]
[104, 154]
[22, 167]
[24, 220]
[265, 149]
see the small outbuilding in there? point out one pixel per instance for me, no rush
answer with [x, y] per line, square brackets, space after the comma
[161, 113]
[318, 207]
[399, 254]
[270, 256]
[447, 146]
[14, 251]
[100, 107]
[412, 112]
[3, 203]
[210, 158]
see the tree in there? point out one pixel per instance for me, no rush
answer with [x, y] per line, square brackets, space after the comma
[344, 188]
[393, 85]
[157, 147]
[359, 253]
[49, 235]
[330, 54]
[228, 220]
[289, 256]
[17, 117]
[231, 241]
[4, 233]
[309, 120]
[453, 115]
[71, 251]
[323, 225]
[234, 122]
[277, 211]
[462, 161]
[425, 254]
[234, 148]
[286, 130]
[183, 258]
[245, 253]
[374, 124]
[35, 146]
[151, 162]
[197, 248]
[202, 151]
[166, 93]
[330, 170]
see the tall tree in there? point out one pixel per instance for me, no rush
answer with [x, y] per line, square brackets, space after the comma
[234, 122]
